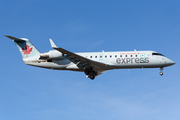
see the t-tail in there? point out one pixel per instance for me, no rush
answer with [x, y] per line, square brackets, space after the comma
[26, 48]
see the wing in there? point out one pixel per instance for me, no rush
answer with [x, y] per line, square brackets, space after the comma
[80, 61]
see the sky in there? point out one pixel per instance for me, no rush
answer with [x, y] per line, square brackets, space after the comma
[32, 93]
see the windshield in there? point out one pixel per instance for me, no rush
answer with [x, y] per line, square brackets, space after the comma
[157, 54]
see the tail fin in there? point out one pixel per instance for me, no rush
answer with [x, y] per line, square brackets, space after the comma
[26, 48]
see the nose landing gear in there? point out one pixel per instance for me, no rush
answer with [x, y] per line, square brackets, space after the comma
[161, 73]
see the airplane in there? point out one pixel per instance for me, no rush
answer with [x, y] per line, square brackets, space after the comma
[91, 63]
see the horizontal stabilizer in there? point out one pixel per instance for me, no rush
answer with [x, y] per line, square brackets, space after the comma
[15, 39]
[12, 38]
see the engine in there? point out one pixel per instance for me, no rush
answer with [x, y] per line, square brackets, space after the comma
[52, 54]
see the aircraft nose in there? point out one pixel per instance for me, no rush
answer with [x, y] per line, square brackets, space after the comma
[171, 62]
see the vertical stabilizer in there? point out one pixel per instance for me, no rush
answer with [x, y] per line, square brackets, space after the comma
[26, 48]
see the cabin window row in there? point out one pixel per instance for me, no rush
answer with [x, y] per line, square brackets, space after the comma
[115, 56]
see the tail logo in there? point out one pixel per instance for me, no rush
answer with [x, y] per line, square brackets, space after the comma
[27, 50]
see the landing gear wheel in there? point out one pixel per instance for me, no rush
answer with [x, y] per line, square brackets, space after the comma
[91, 76]
[87, 72]
[161, 73]
[90, 73]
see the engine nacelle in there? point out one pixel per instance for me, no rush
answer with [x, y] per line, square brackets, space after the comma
[52, 54]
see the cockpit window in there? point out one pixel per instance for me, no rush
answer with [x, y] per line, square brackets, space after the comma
[157, 54]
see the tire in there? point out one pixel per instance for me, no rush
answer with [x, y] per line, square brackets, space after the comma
[161, 73]
[91, 76]
[87, 72]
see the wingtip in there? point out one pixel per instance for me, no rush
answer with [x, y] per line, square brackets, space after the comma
[52, 43]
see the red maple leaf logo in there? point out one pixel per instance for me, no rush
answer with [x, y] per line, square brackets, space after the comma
[27, 50]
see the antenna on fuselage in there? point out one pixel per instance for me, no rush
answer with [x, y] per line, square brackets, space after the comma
[134, 49]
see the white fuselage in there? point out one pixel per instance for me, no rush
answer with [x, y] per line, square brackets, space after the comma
[91, 63]
[113, 60]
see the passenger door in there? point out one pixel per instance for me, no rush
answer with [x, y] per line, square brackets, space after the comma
[101, 56]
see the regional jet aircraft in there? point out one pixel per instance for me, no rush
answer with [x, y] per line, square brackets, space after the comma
[91, 63]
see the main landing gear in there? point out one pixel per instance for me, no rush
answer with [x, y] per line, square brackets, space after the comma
[161, 73]
[90, 73]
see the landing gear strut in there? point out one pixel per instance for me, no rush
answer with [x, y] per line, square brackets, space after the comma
[161, 73]
[90, 73]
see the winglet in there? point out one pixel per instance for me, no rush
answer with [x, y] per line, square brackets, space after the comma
[52, 44]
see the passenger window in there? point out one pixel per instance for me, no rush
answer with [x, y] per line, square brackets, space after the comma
[136, 55]
[115, 55]
[126, 55]
[105, 56]
[131, 55]
[91, 57]
[95, 56]
[110, 56]
[120, 55]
